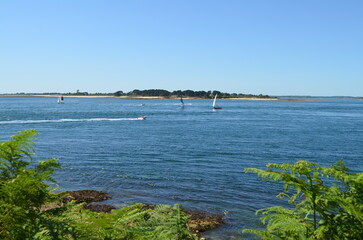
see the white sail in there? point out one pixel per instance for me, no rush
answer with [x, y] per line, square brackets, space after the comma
[215, 99]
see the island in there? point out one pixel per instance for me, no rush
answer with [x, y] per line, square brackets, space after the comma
[152, 94]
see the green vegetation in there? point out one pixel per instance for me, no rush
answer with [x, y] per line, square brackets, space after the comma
[326, 203]
[186, 93]
[30, 210]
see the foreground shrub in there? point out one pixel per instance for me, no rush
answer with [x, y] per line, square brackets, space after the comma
[326, 203]
[23, 191]
[133, 222]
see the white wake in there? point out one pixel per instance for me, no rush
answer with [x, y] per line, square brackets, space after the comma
[68, 120]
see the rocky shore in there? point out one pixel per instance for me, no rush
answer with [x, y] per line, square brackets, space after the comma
[88, 197]
[198, 223]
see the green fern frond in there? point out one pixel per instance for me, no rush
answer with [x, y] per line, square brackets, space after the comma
[339, 207]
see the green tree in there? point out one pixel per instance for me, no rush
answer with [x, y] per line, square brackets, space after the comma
[23, 190]
[326, 203]
[119, 93]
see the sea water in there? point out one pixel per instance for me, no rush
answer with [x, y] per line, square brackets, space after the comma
[192, 155]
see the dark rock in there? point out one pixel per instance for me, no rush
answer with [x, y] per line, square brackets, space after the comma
[199, 221]
[87, 196]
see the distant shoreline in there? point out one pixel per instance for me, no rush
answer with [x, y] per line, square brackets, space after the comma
[292, 99]
[140, 97]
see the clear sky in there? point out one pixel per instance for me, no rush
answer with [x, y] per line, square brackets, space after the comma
[274, 47]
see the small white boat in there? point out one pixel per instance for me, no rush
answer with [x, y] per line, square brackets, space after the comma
[141, 118]
[214, 103]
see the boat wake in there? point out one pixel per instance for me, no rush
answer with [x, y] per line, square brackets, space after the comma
[70, 120]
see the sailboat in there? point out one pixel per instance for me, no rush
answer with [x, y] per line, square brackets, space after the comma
[182, 102]
[214, 103]
[60, 100]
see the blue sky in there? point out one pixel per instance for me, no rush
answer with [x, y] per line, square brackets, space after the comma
[275, 47]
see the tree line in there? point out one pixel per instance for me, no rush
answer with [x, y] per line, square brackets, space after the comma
[186, 93]
[159, 93]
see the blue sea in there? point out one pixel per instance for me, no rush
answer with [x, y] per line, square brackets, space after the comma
[192, 155]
